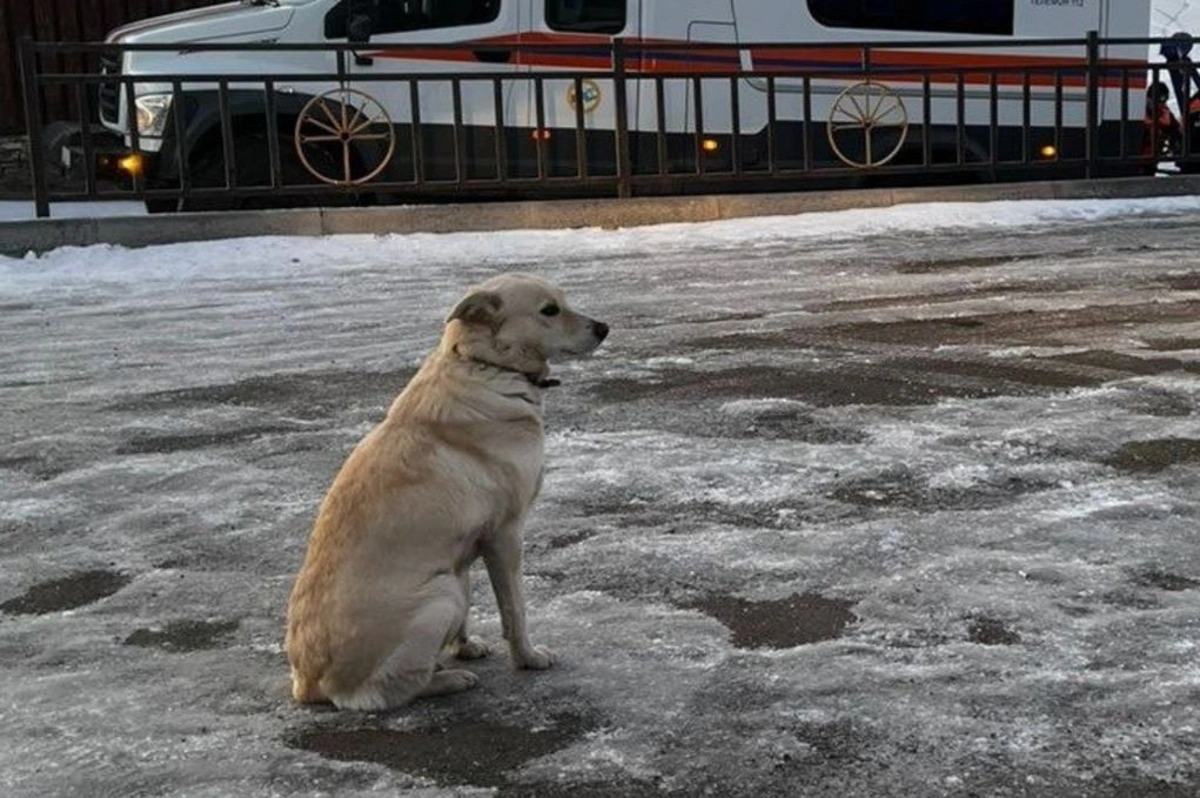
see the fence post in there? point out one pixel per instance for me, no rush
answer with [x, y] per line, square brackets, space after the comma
[33, 127]
[1092, 135]
[624, 167]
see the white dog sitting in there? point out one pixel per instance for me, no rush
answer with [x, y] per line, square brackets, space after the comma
[447, 477]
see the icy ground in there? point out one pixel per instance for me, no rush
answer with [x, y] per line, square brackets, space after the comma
[870, 504]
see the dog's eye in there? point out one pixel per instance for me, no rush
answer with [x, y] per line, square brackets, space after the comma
[550, 310]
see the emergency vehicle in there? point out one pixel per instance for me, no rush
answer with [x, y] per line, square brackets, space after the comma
[747, 84]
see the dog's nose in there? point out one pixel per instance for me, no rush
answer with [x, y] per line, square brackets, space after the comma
[600, 329]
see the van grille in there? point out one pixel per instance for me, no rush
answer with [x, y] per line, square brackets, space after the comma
[110, 93]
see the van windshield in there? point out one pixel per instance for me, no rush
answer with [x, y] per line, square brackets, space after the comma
[399, 16]
[586, 16]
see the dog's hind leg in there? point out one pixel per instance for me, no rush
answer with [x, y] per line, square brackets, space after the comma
[411, 668]
[450, 680]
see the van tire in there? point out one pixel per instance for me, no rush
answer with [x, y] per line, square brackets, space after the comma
[162, 205]
[252, 156]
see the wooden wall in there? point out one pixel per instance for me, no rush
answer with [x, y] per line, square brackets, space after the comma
[62, 21]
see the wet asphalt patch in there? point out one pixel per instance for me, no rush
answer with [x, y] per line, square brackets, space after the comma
[183, 636]
[903, 363]
[991, 291]
[167, 444]
[955, 264]
[1179, 344]
[850, 383]
[470, 753]
[940, 265]
[40, 468]
[1185, 282]
[1153, 456]
[1142, 592]
[782, 420]
[793, 423]
[1127, 598]
[837, 740]
[861, 497]
[901, 488]
[887, 381]
[987, 631]
[68, 593]
[680, 518]
[1014, 328]
[1163, 580]
[1157, 402]
[797, 620]
[573, 790]
[1124, 364]
[1011, 328]
[570, 539]
[306, 395]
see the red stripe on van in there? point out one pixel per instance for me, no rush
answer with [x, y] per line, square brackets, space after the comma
[671, 57]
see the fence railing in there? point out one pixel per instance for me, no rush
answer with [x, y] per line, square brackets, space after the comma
[219, 126]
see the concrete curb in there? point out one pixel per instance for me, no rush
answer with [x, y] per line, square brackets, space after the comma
[18, 238]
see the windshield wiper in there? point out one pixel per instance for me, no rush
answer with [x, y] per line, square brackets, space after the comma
[261, 3]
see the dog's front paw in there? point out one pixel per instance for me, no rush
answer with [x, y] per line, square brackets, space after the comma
[472, 648]
[534, 658]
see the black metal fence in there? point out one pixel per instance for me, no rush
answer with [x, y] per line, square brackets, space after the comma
[647, 119]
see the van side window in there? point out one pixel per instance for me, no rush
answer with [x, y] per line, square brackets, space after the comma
[586, 16]
[982, 17]
[399, 16]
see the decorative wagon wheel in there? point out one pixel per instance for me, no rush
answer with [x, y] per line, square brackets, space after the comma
[871, 115]
[339, 119]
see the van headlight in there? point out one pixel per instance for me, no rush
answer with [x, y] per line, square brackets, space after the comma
[152, 113]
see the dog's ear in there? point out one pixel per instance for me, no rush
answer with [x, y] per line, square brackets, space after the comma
[478, 307]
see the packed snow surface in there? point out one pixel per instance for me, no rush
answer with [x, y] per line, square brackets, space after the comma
[875, 503]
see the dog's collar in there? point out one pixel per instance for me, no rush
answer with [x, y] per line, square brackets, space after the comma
[536, 380]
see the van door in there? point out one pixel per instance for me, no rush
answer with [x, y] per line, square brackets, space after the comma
[458, 118]
[1068, 21]
[577, 117]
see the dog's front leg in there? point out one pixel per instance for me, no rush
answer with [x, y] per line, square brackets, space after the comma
[468, 647]
[502, 555]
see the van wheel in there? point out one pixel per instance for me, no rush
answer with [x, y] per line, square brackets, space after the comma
[253, 158]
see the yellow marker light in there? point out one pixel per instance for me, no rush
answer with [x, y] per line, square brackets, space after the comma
[133, 164]
[1049, 151]
[710, 145]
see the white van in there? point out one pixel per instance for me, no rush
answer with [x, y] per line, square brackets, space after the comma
[775, 85]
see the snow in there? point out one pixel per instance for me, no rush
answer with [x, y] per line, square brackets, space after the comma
[294, 258]
[923, 412]
[20, 210]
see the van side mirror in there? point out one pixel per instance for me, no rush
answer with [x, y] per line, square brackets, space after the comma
[358, 29]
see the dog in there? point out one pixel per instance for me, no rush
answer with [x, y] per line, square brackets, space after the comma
[379, 606]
